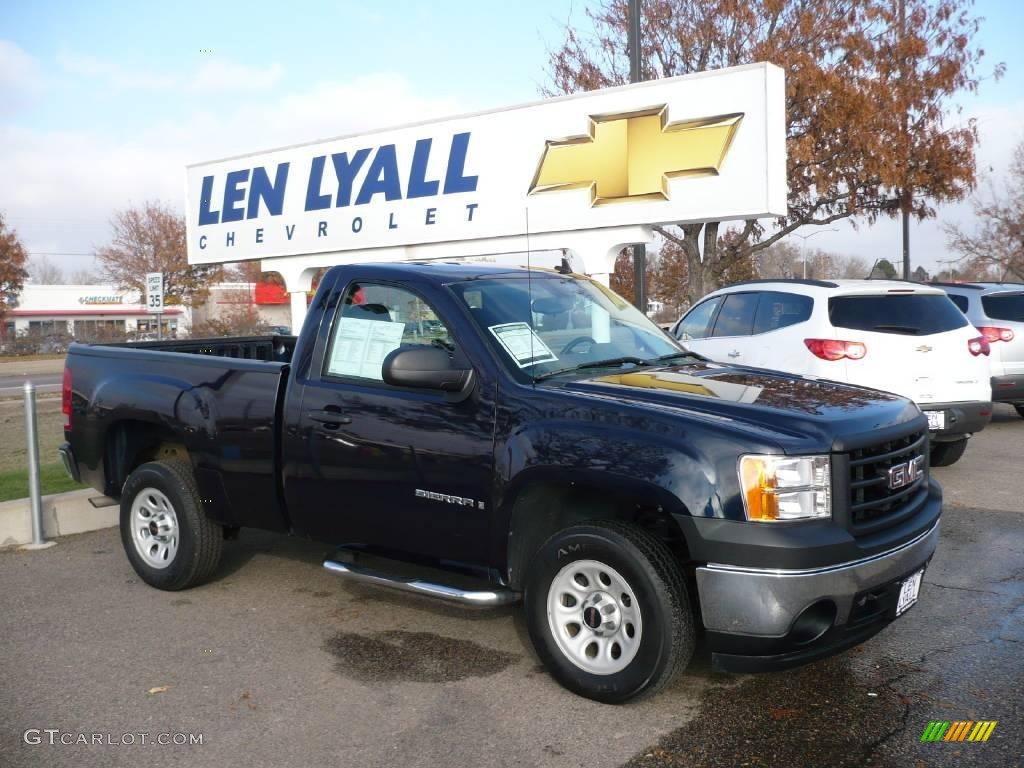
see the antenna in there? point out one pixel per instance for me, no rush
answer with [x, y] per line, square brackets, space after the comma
[872, 270]
[529, 286]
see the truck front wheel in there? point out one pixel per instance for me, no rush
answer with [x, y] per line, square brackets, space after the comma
[168, 539]
[608, 612]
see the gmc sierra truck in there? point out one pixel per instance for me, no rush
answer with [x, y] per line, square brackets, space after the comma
[489, 435]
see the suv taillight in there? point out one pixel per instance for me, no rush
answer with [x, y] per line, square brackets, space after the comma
[978, 346]
[993, 333]
[65, 399]
[834, 349]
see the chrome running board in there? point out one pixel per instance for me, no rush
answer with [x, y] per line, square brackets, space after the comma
[487, 597]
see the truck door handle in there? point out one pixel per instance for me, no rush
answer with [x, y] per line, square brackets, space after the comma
[734, 353]
[329, 417]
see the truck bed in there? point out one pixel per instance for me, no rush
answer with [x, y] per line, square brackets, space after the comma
[217, 398]
[277, 349]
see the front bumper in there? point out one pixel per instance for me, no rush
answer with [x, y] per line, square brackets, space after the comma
[761, 618]
[1008, 389]
[962, 419]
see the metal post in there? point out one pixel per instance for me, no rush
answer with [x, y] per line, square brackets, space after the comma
[34, 494]
[635, 76]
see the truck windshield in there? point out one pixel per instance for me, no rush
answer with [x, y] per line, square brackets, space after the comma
[546, 325]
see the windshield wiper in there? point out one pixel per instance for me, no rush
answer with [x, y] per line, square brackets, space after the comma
[674, 355]
[615, 361]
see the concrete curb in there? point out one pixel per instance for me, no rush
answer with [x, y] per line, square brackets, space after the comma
[63, 514]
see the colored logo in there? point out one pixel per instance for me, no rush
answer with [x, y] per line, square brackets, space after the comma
[632, 156]
[959, 730]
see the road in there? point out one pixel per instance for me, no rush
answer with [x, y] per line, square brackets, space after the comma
[278, 663]
[45, 374]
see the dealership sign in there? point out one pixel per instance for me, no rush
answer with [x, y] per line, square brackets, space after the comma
[700, 147]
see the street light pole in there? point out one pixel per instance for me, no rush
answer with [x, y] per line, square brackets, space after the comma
[803, 244]
[635, 76]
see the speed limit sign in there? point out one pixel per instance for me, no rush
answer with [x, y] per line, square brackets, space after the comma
[155, 292]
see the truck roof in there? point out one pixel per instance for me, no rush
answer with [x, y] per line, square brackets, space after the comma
[447, 272]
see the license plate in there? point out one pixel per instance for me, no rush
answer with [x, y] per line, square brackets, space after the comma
[908, 592]
[936, 419]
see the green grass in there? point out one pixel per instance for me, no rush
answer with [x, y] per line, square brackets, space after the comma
[52, 479]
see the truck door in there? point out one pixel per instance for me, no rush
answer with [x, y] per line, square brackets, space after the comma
[377, 465]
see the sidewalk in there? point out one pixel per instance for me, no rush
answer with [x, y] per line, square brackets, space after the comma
[63, 514]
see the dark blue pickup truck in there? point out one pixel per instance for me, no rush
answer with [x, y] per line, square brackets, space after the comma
[487, 435]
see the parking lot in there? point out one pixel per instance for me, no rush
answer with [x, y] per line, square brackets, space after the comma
[277, 662]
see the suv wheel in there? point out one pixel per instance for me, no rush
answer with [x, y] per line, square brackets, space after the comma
[608, 612]
[165, 533]
[944, 454]
[1020, 410]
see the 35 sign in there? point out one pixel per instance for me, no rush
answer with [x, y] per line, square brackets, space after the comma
[155, 292]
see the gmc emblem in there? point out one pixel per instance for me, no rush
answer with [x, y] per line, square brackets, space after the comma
[902, 475]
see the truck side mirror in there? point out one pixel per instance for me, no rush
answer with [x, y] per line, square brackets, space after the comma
[424, 368]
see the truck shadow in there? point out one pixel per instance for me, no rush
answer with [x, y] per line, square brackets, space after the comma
[354, 649]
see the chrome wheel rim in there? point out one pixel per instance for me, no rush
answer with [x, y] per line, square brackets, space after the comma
[154, 528]
[594, 617]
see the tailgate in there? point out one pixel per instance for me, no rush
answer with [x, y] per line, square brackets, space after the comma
[916, 346]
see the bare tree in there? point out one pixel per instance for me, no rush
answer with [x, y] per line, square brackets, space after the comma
[44, 272]
[997, 244]
[83, 276]
[151, 238]
[852, 267]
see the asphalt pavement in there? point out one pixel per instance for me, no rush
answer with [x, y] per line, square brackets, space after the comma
[45, 374]
[278, 663]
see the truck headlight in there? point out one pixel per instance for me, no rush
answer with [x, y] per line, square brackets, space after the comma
[777, 488]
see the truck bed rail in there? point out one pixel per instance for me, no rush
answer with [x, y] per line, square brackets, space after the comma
[276, 349]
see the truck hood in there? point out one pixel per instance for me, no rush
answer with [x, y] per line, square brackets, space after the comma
[824, 411]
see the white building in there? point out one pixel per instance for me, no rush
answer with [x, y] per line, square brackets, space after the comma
[85, 312]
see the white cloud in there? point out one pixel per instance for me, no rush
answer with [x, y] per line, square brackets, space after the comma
[215, 75]
[60, 187]
[20, 78]
[223, 75]
[114, 75]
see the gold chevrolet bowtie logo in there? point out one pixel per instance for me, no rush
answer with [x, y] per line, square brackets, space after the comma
[632, 156]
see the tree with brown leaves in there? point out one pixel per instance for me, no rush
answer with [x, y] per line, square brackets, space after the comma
[151, 238]
[997, 245]
[865, 102]
[12, 267]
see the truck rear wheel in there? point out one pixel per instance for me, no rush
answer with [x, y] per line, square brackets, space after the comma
[608, 612]
[168, 539]
[945, 454]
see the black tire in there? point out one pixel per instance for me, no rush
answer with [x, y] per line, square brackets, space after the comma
[648, 567]
[199, 541]
[1020, 410]
[945, 454]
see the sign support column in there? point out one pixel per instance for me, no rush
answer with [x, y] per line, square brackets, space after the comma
[635, 76]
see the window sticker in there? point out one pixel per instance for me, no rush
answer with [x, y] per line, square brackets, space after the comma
[525, 346]
[360, 347]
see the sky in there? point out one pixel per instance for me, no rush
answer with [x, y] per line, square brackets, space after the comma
[102, 104]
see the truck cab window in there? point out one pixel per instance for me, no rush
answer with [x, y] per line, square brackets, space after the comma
[375, 320]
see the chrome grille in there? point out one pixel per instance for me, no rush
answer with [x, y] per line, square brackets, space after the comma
[873, 504]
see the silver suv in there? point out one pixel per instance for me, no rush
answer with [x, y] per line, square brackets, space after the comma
[997, 310]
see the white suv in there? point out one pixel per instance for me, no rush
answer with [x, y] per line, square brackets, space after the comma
[997, 311]
[896, 336]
